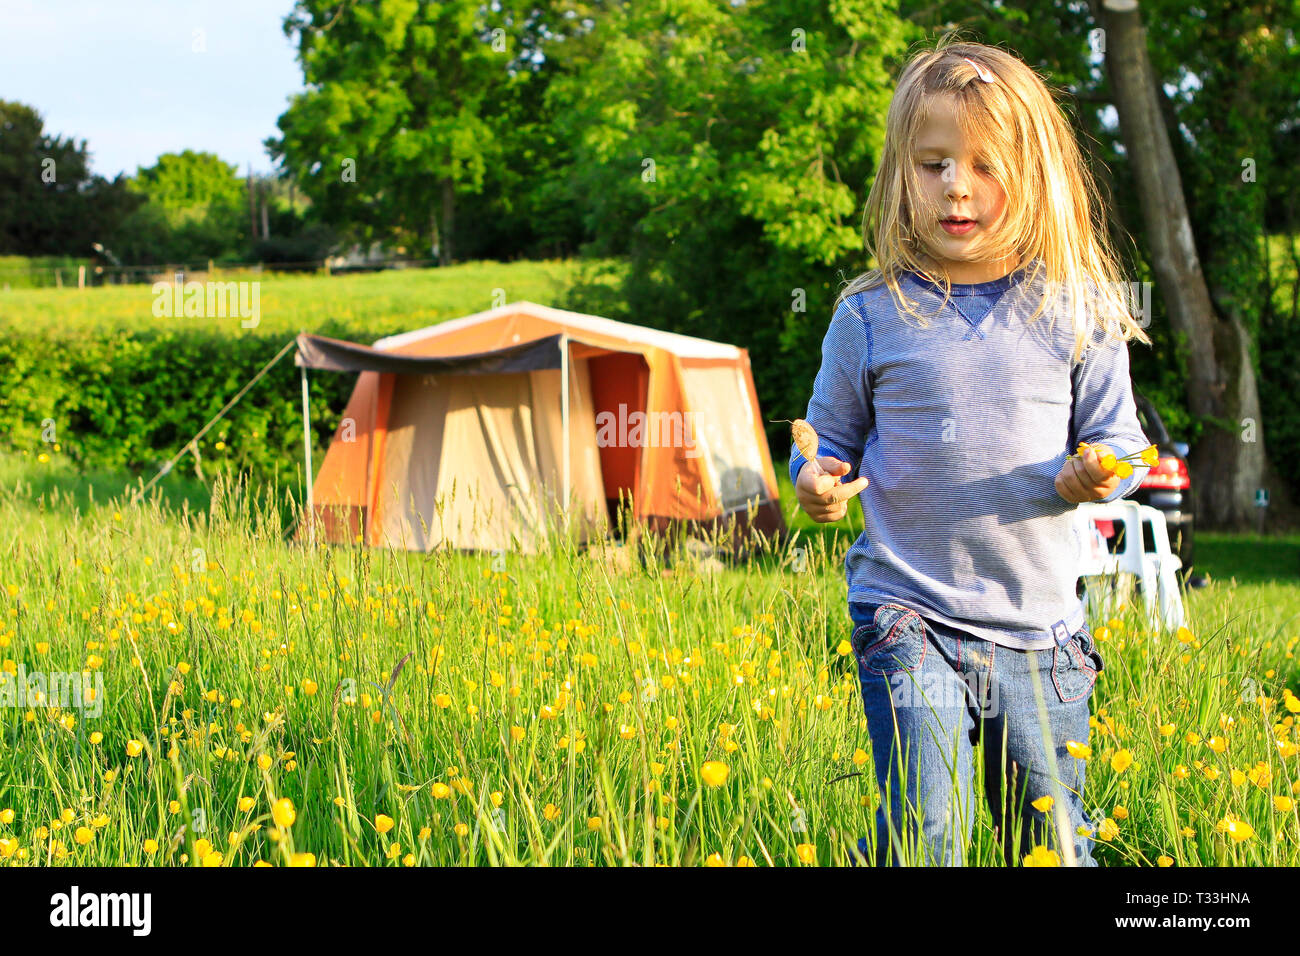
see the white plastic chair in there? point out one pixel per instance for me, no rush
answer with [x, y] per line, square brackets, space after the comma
[1157, 570]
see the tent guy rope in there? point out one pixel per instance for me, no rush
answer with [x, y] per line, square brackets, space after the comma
[192, 443]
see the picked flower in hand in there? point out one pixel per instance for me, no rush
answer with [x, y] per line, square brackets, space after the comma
[1121, 466]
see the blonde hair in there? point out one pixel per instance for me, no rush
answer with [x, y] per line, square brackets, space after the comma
[1054, 218]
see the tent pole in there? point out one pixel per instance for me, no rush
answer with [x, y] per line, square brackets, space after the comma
[306, 447]
[564, 420]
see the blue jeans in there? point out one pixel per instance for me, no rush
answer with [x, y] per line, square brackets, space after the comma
[930, 694]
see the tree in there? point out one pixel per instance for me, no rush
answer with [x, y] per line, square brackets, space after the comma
[1221, 384]
[525, 207]
[394, 120]
[194, 210]
[50, 202]
[725, 151]
[1222, 97]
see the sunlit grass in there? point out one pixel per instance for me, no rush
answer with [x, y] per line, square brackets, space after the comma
[566, 708]
[377, 304]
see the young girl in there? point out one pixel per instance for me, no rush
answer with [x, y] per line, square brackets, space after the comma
[958, 378]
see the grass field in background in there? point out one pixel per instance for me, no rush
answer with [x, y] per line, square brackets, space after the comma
[433, 709]
[376, 303]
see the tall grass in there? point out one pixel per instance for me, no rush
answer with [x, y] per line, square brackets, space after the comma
[554, 708]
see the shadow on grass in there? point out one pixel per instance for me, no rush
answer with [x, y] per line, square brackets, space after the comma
[57, 485]
[1249, 558]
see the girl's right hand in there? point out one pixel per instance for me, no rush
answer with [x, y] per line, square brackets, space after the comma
[820, 493]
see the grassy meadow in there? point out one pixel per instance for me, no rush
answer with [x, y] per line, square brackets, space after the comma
[369, 303]
[258, 701]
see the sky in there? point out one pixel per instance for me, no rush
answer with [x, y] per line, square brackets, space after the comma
[138, 78]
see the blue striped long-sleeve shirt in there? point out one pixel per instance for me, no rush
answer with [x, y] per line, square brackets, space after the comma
[961, 428]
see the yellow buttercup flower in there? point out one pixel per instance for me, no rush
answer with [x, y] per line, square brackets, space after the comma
[1077, 750]
[1042, 856]
[283, 813]
[1121, 761]
[1043, 803]
[1239, 830]
[383, 823]
[714, 773]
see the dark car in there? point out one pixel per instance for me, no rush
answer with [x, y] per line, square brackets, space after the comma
[1167, 487]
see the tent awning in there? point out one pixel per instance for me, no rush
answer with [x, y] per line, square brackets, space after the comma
[335, 355]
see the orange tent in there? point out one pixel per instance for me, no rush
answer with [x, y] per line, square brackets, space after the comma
[476, 431]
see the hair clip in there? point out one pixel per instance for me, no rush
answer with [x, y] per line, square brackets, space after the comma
[984, 74]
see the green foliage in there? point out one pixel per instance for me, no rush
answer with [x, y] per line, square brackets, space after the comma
[129, 400]
[186, 185]
[50, 203]
[725, 151]
[195, 209]
[125, 390]
[391, 110]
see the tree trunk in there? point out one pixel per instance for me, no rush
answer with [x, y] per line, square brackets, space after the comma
[448, 222]
[1228, 461]
[435, 245]
[252, 206]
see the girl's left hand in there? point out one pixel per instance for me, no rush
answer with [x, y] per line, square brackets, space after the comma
[1086, 479]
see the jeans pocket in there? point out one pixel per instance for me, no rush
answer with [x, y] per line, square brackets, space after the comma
[893, 642]
[1075, 665]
